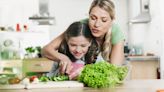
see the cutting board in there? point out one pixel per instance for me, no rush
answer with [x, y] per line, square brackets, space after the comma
[53, 84]
[12, 86]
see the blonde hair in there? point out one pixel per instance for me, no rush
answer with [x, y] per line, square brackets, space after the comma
[108, 6]
[106, 50]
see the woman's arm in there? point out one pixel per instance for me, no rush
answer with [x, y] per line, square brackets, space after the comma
[117, 54]
[50, 51]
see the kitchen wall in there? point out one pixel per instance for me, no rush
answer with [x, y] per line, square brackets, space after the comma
[149, 35]
[146, 35]
[19, 11]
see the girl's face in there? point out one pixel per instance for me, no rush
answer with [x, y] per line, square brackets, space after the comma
[78, 46]
[99, 22]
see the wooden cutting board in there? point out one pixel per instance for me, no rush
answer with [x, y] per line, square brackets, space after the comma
[52, 84]
[13, 86]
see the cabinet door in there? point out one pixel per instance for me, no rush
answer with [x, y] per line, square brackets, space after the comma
[11, 67]
[37, 65]
[144, 69]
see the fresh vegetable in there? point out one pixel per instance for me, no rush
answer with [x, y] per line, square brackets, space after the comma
[32, 78]
[102, 74]
[54, 78]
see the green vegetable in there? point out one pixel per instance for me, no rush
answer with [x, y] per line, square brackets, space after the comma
[102, 74]
[54, 78]
[44, 79]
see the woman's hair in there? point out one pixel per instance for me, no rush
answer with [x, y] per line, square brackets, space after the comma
[108, 6]
[79, 29]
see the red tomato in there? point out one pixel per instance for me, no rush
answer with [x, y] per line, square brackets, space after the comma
[32, 78]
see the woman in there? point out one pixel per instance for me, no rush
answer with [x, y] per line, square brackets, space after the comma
[108, 35]
[80, 47]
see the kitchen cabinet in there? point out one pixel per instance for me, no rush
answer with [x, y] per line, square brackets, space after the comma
[36, 65]
[144, 67]
[21, 68]
[11, 67]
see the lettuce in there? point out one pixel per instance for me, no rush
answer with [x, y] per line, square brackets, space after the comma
[102, 74]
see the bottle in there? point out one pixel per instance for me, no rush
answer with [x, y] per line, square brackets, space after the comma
[18, 27]
[132, 51]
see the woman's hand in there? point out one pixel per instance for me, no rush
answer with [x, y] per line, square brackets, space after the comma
[65, 64]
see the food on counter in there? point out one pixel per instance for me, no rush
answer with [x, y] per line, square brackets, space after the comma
[32, 78]
[102, 74]
[14, 80]
[36, 80]
[54, 78]
[26, 81]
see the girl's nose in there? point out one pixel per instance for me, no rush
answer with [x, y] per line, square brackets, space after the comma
[78, 49]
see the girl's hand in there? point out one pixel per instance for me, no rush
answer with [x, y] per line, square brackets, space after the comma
[65, 65]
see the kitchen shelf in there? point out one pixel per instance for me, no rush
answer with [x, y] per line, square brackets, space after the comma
[21, 32]
[41, 18]
[5, 73]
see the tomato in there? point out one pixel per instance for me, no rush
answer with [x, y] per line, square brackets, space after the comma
[32, 78]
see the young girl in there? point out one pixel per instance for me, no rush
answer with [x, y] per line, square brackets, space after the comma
[79, 45]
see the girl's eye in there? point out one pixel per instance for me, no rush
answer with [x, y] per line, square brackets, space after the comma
[72, 45]
[83, 46]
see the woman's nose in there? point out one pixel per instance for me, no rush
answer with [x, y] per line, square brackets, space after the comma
[97, 23]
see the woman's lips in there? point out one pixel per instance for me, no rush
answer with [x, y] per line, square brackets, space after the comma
[95, 30]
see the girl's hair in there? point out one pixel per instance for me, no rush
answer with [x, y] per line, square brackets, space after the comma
[108, 6]
[79, 29]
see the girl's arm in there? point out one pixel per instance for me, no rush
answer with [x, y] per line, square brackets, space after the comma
[117, 54]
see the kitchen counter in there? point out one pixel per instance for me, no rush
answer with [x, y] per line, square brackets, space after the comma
[128, 86]
[142, 58]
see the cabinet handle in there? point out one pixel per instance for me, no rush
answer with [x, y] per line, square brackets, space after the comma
[38, 65]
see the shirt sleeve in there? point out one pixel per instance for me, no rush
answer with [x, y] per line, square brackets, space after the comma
[117, 34]
[84, 20]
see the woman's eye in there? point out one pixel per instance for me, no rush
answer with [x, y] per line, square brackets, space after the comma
[104, 20]
[93, 18]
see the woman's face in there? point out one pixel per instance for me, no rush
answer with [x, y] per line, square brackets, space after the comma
[78, 46]
[99, 22]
